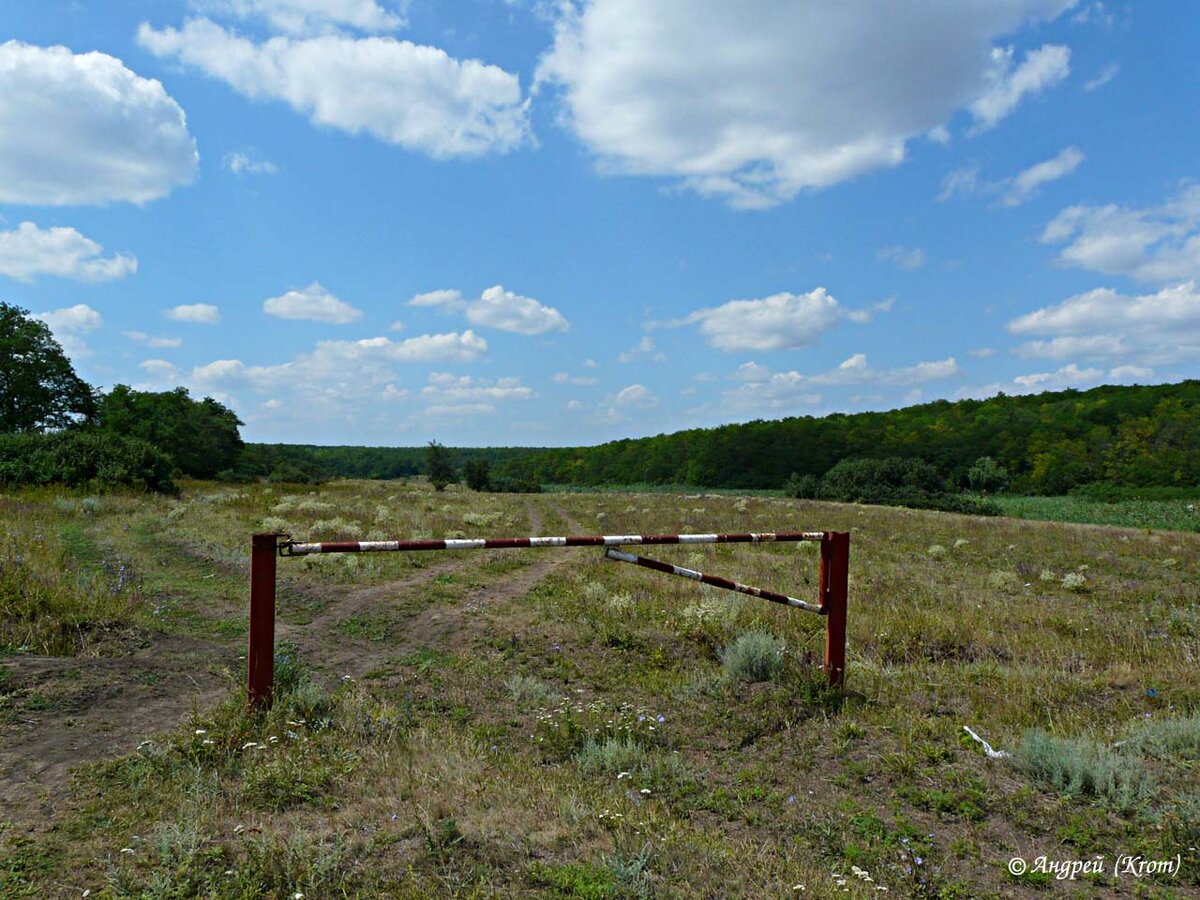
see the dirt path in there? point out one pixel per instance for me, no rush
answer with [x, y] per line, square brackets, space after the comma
[451, 626]
[57, 713]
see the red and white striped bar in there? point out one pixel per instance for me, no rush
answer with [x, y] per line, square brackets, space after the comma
[714, 580]
[293, 548]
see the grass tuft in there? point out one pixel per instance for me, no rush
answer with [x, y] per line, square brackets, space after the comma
[753, 656]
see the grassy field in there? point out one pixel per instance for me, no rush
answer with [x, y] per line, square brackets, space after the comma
[1170, 515]
[547, 723]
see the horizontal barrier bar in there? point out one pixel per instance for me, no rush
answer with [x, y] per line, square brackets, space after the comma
[297, 548]
[714, 580]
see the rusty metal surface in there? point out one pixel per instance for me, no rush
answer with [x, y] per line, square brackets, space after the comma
[714, 580]
[301, 548]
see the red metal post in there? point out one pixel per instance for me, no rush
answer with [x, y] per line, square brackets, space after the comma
[260, 658]
[835, 582]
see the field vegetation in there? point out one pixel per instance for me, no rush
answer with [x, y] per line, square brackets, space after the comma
[547, 723]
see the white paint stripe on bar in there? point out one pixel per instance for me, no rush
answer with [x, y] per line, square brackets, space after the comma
[608, 540]
[699, 576]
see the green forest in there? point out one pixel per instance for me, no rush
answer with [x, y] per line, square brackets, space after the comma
[1048, 444]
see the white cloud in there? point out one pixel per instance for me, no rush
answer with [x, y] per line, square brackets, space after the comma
[1017, 189]
[577, 380]
[637, 396]
[460, 409]
[867, 315]
[1130, 373]
[1066, 377]
[311, 304]
[159, 371]
[754, 104]
[417, 97]
[446, 388]
[497, 308]
[1041, 69]
[1026, 183]
[312, 16]
[780, 322]
[452, 301]
[29, 251]
[196, 313]
[69, 324]
[345, 381]
[159, 343]
[82, 129]
[1159, 244]
[242, 162]
[983, 352]
[643, 348]
[1106, 325]
[1105, 75]
[764, 390]
[962, 181]
[902, 257]
[72, 319]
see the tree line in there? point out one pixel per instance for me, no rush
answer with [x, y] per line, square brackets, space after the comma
[1051, 443]
[56, 428]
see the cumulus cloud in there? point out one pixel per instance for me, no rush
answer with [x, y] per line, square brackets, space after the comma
[1159, 243]
[1041, 69]
[1026, 183]
[311, 304]
[446, 388]
[29, 251]
[244, 162]
[577, 380]
[149, 340]
[84, 129]
[69, 325]
[780, 322]
[312, 16]
[765, 390]
[1106, 325]
[643, 348]
[754, 104]
[195, 313]
[1067, 376]
[417, 97]
[497, 308]
[902, 257]
[345, 381]
[159, 372]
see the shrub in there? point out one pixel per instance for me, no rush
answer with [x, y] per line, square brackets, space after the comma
[987, 476]
[83, 457]
[802, 487]
[613, 754]
[753, 656]
[897, 481]
[1081, 767]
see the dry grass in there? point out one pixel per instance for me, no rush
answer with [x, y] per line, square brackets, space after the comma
[578, 737]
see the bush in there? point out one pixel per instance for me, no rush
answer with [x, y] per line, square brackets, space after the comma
[987, 476]
[1081, 767]
[83, 457]
[895, 481]
[754, 656]
[802, 487]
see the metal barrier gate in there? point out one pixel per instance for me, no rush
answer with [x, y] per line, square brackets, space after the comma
[832, 586]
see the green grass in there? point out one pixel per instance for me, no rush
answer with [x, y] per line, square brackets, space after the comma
[1171, 515]
[490, 733]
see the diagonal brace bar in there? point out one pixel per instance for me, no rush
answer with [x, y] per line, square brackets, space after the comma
[714, 580]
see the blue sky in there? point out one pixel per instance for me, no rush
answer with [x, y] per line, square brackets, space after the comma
[524, 222]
